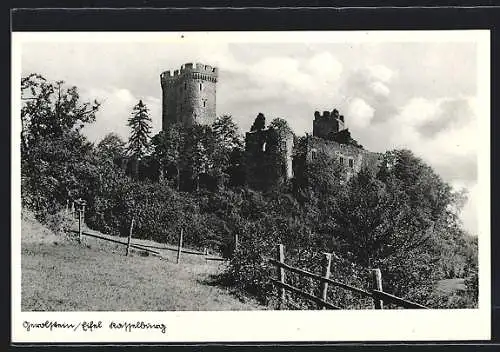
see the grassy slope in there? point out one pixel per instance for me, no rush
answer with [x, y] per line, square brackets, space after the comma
[59, 275]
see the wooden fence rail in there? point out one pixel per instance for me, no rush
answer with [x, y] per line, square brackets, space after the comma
[388, 298]
[146, 248]
[375, 292]
[315, 299]
[321, 278]
[119, 242]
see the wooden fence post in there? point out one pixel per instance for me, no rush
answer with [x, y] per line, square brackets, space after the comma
[236, 242]
[73, 210]
[311, 285]
[179, 250]
[327, 262]
[130, 236]
[80, 230]
[377, 285]
[281, 274]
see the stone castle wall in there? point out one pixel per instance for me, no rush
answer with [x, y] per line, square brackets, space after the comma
[268, 158]
[352, 158]
[189, 95]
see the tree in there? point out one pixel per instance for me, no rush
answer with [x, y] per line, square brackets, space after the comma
[168, 146]
[199, 152]
[57, 162]
[259, 123]
[281, 125]
[49, 109]
[111, 148]
[140, 124]
[140, 135]
[226, 132]
[227, 151]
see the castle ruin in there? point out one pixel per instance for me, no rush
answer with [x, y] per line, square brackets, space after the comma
[271, 157]
[189, 95]
[268, 155]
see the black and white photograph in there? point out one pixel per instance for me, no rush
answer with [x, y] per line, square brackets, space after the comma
[310, 185]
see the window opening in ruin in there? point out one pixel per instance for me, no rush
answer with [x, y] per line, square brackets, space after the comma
[341, 161]
[200, 86]
[313, 155]
[204, 103]
[351, 163]
[185, 85]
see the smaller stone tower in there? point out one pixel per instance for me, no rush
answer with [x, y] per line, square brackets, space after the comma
[189, 95]
[328, 124]
[268, 156]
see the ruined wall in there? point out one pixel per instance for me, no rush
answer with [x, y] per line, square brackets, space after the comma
[268, 158]
[352, 158]
[189, 95]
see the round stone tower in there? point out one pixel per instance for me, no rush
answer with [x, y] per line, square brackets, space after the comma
[189, 95]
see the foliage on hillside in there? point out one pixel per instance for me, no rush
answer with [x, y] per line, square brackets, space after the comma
[402, 220]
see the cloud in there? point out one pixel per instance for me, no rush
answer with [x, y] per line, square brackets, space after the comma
[324, 65]
[373, 85]
[469, 214]
[116, 109]
[360, 113]
[380, 89]
[279, 86]
[451, 113]
[381, 73]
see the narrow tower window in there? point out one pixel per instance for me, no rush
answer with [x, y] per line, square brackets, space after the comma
[185, 85]
[341, 161]
[351, 163]
[204, 103]
[200, 86]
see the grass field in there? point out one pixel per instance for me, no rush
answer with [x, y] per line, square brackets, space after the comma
[61, 275]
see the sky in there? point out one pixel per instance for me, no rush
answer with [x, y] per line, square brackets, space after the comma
[416, 94]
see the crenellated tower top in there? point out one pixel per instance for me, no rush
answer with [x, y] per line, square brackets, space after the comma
[190, 70]
[189, 94]
[328, 124]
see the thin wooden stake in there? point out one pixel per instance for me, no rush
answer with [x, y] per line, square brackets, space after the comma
[236, 244]
[281, 274]
[179, 249]
[130, 236]
[327, 262]
[80, 229]
[377, 285]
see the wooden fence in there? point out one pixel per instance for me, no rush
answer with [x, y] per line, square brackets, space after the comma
[147, 248]
[376, 293]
